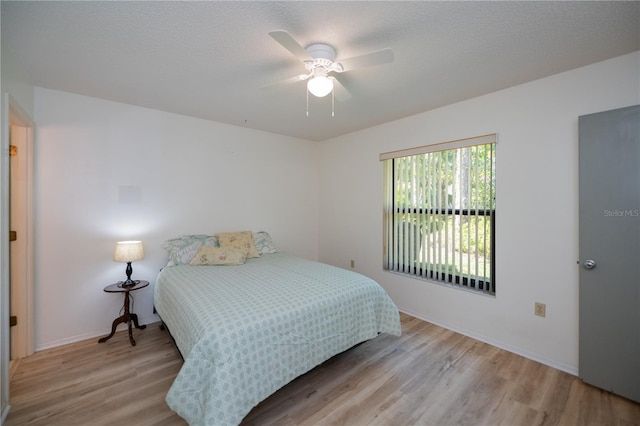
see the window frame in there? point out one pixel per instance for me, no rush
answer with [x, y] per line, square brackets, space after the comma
[391, 210]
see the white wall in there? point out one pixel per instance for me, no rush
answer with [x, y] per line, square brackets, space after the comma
[14, 83]
[194, 176]
[537, 206]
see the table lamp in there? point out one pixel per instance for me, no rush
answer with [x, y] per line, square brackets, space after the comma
[128, 251]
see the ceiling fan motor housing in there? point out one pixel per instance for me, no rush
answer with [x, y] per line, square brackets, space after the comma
[321, 51]
[323, 56]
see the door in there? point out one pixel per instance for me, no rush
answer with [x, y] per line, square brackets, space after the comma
[13, 114]
[21, 249]
[609, 148]
[17, 215]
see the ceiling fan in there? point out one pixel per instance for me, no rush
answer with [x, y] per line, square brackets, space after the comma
[319, 61]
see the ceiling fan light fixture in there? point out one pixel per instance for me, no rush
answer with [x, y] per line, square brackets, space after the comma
[320, 86]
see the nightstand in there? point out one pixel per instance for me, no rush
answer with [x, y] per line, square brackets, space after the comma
[128, 317]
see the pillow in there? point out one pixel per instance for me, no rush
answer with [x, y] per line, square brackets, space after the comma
[239, 240]
[218, 256]
[184, 248]
[263, 243]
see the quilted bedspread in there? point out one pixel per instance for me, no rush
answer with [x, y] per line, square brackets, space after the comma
[245, 331]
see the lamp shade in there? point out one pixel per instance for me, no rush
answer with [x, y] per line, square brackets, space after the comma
[320, 86]
[128, 251]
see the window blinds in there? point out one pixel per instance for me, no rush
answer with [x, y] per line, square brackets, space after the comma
[439, 212]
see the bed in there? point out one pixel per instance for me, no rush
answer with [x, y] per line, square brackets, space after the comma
[246, 330]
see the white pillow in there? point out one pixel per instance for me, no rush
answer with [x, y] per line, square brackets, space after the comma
[263, 243]
[183, 249]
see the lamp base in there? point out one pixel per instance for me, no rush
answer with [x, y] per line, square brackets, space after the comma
[129, 283]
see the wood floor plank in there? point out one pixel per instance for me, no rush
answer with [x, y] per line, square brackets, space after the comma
[88, 383]
[429, 376]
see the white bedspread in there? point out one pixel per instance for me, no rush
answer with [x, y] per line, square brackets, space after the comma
[245, 331]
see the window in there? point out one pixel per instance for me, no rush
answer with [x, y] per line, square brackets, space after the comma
[439, 213]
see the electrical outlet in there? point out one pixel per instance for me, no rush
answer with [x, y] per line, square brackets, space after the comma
[353, 263]
[540, 309]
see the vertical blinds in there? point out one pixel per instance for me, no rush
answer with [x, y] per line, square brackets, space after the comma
[439, 212]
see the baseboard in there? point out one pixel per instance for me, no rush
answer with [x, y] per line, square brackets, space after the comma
[518, 351]
[152, 319]
[5, 413]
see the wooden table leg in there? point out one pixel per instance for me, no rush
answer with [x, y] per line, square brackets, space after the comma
[134, 318]
[133, 342]
[117, 321]
[129, 318]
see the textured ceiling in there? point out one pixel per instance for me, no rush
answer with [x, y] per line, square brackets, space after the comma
[210, 59]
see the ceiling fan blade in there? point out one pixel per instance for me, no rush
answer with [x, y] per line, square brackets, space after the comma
[339, 91]
[285, 82]
[289, 43]
[378, 57]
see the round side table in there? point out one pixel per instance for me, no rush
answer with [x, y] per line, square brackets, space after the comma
[128, 317]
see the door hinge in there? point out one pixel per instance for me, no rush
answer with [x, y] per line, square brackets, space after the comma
[13, 235]
[13, 321]
[13, 150]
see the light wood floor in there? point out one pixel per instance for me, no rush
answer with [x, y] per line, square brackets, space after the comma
[429, 376]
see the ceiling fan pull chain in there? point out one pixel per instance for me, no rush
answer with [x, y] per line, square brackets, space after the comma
[307, 102]
[333, 102]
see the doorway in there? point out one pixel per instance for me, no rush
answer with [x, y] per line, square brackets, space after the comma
[609, 147]
[21, 284]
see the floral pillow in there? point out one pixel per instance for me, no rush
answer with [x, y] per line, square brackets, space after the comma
[263, 243]
[218, 256]
[183, 249]
[239, 240]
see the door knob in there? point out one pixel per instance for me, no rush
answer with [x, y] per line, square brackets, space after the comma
[589, 264]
